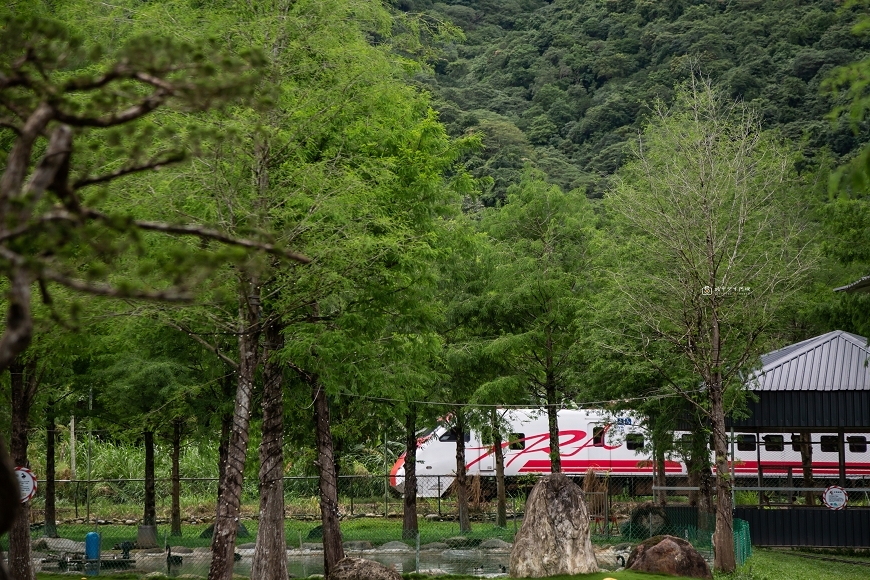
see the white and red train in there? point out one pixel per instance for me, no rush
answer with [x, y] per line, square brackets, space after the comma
[614, 445]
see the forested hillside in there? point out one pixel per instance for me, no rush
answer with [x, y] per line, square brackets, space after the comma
[564, 84]
[317, 228]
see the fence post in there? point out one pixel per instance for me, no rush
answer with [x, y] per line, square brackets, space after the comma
[417, 559]
[439, 495]
[760, 473]
[351, 495]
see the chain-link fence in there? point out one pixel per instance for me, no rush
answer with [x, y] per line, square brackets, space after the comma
[776, 470]
[622, 512]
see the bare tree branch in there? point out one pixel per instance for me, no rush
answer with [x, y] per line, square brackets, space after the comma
[157, 164]
[195, 336]
[205, 233]
[144, 107]
[107, 290]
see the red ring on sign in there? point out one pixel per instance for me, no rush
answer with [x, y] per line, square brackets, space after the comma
[25, 473]
[835, 488]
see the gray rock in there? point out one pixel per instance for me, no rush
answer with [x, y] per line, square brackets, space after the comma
[462, 542]
[495, 544]
[58, 545]
[181, 550]
[248, 546]
[432, 517]
[395, 547]
[434, 546]
[357, 545]
[359, 569]
[668, 555]
[606, 557]
[554, 538]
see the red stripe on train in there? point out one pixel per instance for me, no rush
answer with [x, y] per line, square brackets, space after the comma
[615, 465]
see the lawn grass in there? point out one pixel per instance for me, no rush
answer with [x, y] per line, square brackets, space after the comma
[789, 565]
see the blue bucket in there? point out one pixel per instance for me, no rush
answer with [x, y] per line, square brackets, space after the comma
[92, 554]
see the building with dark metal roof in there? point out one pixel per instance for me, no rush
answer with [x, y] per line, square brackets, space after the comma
[819, 383]
[817, 390]
[862, 285]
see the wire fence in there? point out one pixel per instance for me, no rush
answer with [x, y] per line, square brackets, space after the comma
[621, 514]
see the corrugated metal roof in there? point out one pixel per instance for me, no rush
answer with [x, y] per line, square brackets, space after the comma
[861, 285]
[836, 361]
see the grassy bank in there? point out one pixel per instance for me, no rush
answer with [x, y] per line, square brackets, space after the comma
[790, 565]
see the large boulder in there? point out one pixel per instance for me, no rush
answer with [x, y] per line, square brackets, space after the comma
[554, 537]
[668, 555]
[359, 569]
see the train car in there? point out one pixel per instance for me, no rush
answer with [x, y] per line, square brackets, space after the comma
[779, 455]
[608, 444]
[587, 439]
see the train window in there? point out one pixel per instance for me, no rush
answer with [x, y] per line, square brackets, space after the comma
[774, 443]
[451, 435]
[830, 444]
[634, 441]
[745, 442]
[598, 437]
[795, 442]
[857, 443]
[518, 441]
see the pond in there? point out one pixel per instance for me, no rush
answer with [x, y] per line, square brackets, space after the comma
[304, 563]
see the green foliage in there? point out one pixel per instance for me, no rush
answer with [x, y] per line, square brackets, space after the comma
[578, 78]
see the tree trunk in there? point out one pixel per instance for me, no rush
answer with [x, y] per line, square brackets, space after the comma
[807, 465]
[552, 407]
[23, 383]
[409, 512]
[270, 555]
[223, 541]
[333, 550]
[661, 476]
[50, 529]
[226, 429]
[461, 479]
[498, 451]
[175, 516]
[149, 517]
[723, 537]
[9, 504]
[698, 469]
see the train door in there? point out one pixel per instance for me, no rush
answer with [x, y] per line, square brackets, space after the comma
[598, 452]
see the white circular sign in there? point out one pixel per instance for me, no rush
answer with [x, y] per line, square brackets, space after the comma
[27, 481]
[835, 497]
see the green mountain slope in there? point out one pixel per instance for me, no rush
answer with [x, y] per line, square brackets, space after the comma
[564, 84]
